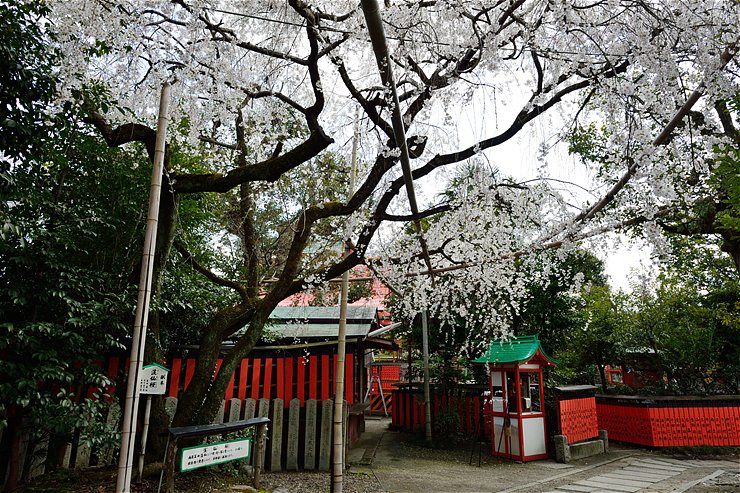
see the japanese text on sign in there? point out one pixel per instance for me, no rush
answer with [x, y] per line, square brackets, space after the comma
[153, 379]
[214, 453]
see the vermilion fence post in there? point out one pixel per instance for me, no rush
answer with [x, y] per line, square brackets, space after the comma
[243, 370]
[280, 379]
[189, 371]
[301, 384]
[325, 377]
[288, 380]
[175, 377]
[267, 387]
[256, 370]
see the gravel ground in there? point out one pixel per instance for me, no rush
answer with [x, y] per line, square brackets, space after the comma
[316, 482]
[729, 482]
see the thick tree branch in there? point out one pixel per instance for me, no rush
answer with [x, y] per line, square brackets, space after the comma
[312, 33]
[370, 109]
[123, 134]
[269, 170]
[278, 95]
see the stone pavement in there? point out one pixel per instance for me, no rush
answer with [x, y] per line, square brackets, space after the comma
[399, 466]
[638, 475]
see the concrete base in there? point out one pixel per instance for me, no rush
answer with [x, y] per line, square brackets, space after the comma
[565, 452]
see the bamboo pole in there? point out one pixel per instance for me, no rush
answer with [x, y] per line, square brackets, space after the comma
[337, 470]
[138, 341]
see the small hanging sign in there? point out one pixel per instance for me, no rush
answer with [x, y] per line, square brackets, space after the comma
[153, 379]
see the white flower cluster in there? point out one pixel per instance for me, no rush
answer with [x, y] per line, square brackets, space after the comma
[489, 231]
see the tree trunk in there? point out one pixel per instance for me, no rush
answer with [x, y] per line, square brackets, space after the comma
[15, 428]
[602, 376]
[731, 246]
[193, 408]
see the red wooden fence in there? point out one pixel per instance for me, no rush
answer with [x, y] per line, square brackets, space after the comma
[276, 377]
[577, 419]
[671, 421]
[265, 377]
[408, 408]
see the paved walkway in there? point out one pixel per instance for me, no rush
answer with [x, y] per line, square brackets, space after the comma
[400, 466]
[638, 475]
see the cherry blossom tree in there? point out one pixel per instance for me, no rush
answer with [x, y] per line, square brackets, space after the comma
[264, 89]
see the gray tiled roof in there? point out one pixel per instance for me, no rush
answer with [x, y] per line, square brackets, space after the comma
[320, 321]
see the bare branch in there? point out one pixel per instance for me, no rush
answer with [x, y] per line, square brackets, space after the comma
[207, 273]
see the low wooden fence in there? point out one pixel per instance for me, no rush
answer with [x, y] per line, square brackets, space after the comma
[662, 421]
[299, 437]
[575, 409]
[577, 419]
[465, 405]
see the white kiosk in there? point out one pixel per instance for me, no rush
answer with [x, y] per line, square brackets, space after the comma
[516, 404]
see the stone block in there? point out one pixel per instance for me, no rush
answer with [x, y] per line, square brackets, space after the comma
[294, 422]
[235, 409]
[586, 449]
[83, 455]
[38, 459]
[562, 450]
[309, 446]
[112, 422]
[327, 408]
[276, 437]
[170, 406]
[249, 407]
[264, 408]
[604, 437]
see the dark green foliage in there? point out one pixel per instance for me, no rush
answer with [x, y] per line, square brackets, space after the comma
[26, 81]
[65, 292]
[685, 329]
[691, 322]
[552, 309]
[73, 214]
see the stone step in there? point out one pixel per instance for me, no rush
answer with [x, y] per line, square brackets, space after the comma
[650, 465]
[645, 472]
[621, 481]
[635, 476]
[608, 486]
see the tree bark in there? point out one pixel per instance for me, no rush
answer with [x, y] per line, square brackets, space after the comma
[602, 376]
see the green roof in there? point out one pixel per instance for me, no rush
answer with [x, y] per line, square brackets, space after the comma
[514, 350]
